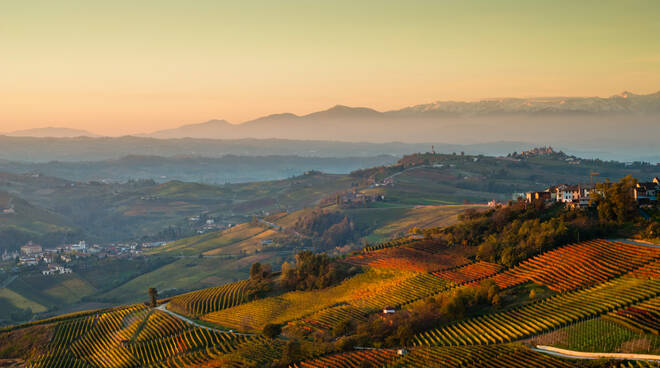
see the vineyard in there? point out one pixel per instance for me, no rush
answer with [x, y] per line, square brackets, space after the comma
[472, 272]
[477, 356]
[584, 264]
[205, 301]
[609, 300]
[547, 315]
[408, 258]
[642, 317]
[389, 244]
[599, 335]
[580, 265]
[354, 359]
[134, 336]
[648, 271]
[365, 293]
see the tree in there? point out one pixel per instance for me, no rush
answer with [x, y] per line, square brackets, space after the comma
[272, 330]
[615, 201]
[153, 296]
[259, 272]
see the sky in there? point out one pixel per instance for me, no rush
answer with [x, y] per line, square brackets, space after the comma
[120, 67]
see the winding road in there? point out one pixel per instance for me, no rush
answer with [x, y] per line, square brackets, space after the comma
[571, 354]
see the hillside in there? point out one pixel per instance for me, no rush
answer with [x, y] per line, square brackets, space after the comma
[335, 214]
[136, 209]
[447, 305]
[20, 222]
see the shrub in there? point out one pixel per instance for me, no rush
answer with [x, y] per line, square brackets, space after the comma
[272, 330]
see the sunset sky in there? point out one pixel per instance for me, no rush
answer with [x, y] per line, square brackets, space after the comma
[120, 67]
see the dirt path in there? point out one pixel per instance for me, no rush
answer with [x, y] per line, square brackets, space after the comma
[163, 308]
[563, 353]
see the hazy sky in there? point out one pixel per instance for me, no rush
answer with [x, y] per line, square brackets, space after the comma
[117, 67]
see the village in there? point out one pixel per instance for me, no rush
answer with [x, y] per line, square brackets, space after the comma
[580, 196]
[53, 261]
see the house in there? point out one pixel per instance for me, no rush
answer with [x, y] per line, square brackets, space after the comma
[567, 193]
[7, 256]
[402, 352]
[30, 261]
[56, 270]
[647, 193]
[546, 196]
[575, 196]
[31, 249]
[389, 310]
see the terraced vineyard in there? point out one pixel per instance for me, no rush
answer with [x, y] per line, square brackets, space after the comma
[134, 336]
[160, 324]
[599, 335]
[205, 301]
[405, 291]
[505, 280]
[642, 317]
[408, 258]
[578, 265]
[477, 356]
[354, 359]
[472, 272]
[543, 316]
[648, 271]
[327, 318]
[389, 244]
[353, 297]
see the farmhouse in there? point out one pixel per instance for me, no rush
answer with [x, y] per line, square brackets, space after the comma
[389, 310]
[647, 193]
[56, 270]
[575, 196]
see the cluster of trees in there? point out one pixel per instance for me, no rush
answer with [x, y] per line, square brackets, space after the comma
[327, 228]
[513, 233]
[615, 202]
[314, 271]
[260, 280]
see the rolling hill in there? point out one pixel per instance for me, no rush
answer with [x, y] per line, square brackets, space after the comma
[51, 132]
[438, 289]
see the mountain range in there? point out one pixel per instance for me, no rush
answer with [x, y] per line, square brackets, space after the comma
[623, 127]
[274, 126]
